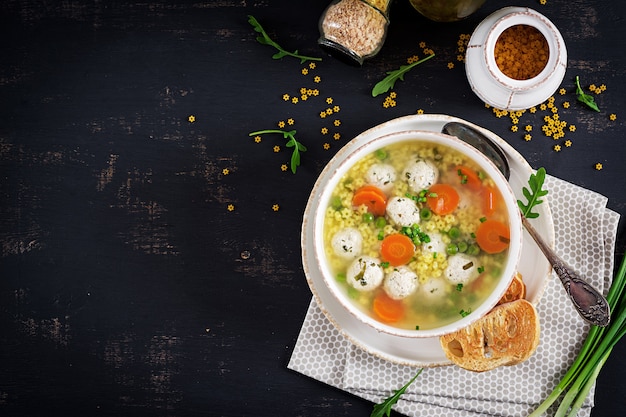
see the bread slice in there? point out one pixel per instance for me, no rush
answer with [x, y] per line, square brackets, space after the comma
[516, 290]
[507, 335]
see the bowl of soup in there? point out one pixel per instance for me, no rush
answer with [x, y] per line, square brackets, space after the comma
[415, 233]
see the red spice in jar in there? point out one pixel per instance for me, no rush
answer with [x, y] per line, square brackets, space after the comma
[521, 52]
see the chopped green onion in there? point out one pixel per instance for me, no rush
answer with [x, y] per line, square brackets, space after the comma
[483, 219]
[381, 154]
[459, 286]
[335, 202]
[425, 213]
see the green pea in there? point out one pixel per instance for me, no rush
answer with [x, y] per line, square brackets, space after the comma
[381, 154]
[425, 213]
[452, 249]
[473, 250]
[335, 202]
[454, 233]
[381, 222]
[462, 246]
[368, 217]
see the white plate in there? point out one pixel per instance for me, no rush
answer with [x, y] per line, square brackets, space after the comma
[420, 352]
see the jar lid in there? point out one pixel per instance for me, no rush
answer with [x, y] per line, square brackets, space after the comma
[491, 84]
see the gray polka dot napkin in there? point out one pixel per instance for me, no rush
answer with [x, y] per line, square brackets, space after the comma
[322, 353]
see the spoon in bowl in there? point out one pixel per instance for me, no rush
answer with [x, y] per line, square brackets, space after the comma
[588, 301]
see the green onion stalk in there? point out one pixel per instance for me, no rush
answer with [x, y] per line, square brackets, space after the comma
[578, 380]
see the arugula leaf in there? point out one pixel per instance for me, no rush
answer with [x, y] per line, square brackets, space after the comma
[384, 408]
[585, 98]
[265, 39]
[534, 194]
[291, 143]
[389, 81]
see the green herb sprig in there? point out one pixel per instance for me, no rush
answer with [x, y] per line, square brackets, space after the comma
[384, 408]
[534, 194]
[291, 143]
[594, 352]
[266, 40]
[585, 98]
[389, 81]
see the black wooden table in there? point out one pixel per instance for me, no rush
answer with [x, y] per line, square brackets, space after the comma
[150, 258]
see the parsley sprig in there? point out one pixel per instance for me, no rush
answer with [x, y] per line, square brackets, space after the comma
[585, 98]
[389, 81]
[384, 408]
[291, 143]
[534, 194]
[266, 40]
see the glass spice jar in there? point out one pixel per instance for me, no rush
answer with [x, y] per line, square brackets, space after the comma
[446, 10]
[354, 30]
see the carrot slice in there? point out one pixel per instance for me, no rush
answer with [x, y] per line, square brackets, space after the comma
[387, 309]
[468, 177]
[397, 249]
[491, 200]
[493, 236]
[372, 197]
[442, 199]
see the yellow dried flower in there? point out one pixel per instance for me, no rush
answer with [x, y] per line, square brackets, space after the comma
[568, 143]
[290, 121]
[393, 94]
[528, 128]
[527, 137]
[420, 111]
[305, 71]
[326, 146]
[276, 148]
[422, 44]
[312, 65]
[304, 97]
[230, 207]
[316, 92]
[572, 128]
[514, 128]
[323, 114]
[337, 122]
[543, 107]
[532, 109]
[592, 87]
[281, 124]
[324, 130]
[557, 148]
[566, 104]
[275, 207]
[562, 91]
[284, 167]
[613, 116]
[317, 79]
[329, 111]
[337, 136]
[191, 118]
[329, 100]
[294, 100]
[450, 65]
[286, 97]
[225, 171]
[257, 139]
[598, 166]
[336, 109]
[460, 58]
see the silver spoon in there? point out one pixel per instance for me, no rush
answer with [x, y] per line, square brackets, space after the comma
[588, 301]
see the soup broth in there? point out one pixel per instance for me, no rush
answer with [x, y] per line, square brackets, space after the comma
[416, 234]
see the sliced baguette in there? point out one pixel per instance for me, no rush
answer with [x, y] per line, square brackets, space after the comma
[516, 290]
[507, 335]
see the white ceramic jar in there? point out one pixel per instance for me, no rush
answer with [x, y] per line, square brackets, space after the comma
[496, 88]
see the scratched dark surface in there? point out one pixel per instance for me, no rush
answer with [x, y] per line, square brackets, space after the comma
[123, 288]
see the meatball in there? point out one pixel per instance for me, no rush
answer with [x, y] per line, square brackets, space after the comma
[381, 175]
[403, 211]
[365, 273]
[434, 288]
[436, 244]
[400, 283]
[461, 268]
[420, 174]
[347, 243]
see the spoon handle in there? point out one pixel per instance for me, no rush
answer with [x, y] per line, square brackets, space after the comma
[589, 303]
